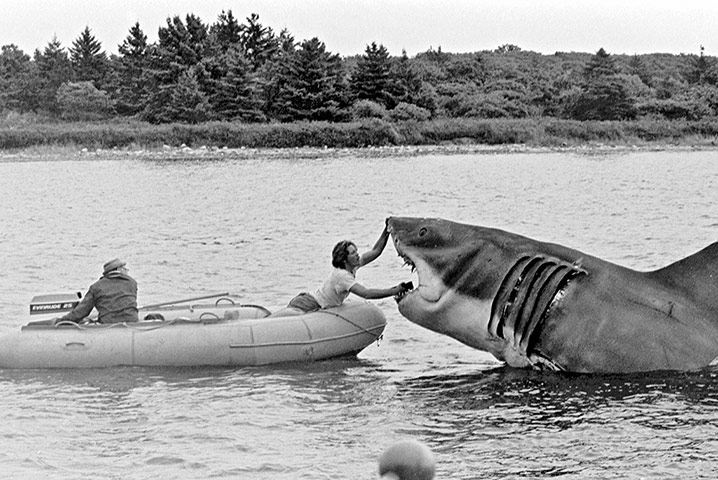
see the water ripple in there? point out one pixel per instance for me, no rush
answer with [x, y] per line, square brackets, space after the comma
[264, 229]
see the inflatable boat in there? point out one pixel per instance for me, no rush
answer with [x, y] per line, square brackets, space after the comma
[179, 334]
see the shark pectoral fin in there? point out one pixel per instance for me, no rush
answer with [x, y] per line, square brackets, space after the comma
[515, 358]
[540, 362]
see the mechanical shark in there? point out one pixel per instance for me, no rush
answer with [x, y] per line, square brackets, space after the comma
[541, 305]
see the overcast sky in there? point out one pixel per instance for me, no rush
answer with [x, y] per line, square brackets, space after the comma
[348, 26]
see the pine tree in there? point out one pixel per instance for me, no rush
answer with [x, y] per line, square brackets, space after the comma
[226, 32]
[180, 101]
[235, 93]
[130, 90]
[54, 69]
[238, 52]
[175, 68]
[603, 95]
[315, 88]
[134, 46]
[508, 48]
[89, 62]
[16, 80]
[600, 66]
[370, 79]
[197, 39]
[404, 83]
[259, 44]
[276, 73]
[702, 70]
[181, 46]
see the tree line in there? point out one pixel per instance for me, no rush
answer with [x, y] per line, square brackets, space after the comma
[245, 72]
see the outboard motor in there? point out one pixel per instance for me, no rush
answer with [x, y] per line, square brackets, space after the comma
[54, 303]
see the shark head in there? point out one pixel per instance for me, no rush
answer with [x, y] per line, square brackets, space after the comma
[460, 269]
[443, 254]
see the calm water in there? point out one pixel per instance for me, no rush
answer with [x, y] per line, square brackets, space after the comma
[264, 229]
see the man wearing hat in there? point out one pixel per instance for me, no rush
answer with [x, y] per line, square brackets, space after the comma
[114, 296]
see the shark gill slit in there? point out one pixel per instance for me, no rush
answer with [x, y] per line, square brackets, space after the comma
[524, 297]
[506, 294]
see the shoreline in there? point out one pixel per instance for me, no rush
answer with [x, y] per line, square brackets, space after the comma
[60, 153]
[368, 139]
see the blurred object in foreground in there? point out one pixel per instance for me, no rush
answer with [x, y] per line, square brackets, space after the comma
[407, 460]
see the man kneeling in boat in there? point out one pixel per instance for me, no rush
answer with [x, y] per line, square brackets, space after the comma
[114, 296]
[342, 280]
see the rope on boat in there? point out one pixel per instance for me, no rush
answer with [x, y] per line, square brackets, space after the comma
[166, 323]
[378, 338]
[133, 325]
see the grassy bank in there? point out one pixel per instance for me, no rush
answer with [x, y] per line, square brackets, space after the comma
[543, 132]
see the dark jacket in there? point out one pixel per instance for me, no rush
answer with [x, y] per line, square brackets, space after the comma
[114, 296]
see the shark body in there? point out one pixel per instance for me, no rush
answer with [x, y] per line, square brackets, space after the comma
[541, 305]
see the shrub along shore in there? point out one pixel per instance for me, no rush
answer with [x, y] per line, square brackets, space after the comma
[497, 134]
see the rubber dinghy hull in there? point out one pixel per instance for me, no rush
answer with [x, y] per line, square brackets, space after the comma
[222, 337]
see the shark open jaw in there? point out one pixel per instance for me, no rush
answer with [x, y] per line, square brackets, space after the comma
[428, 285]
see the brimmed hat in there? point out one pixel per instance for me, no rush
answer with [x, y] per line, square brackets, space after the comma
[113, 264]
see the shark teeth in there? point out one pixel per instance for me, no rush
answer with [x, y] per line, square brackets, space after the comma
[407, 261]
[400, 296]
[409, 288]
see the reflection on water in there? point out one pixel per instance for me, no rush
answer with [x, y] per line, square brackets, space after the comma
[505, 387]
[264, 229]
[575, 425]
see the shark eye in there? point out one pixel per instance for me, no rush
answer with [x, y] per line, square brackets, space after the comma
[423, 231]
